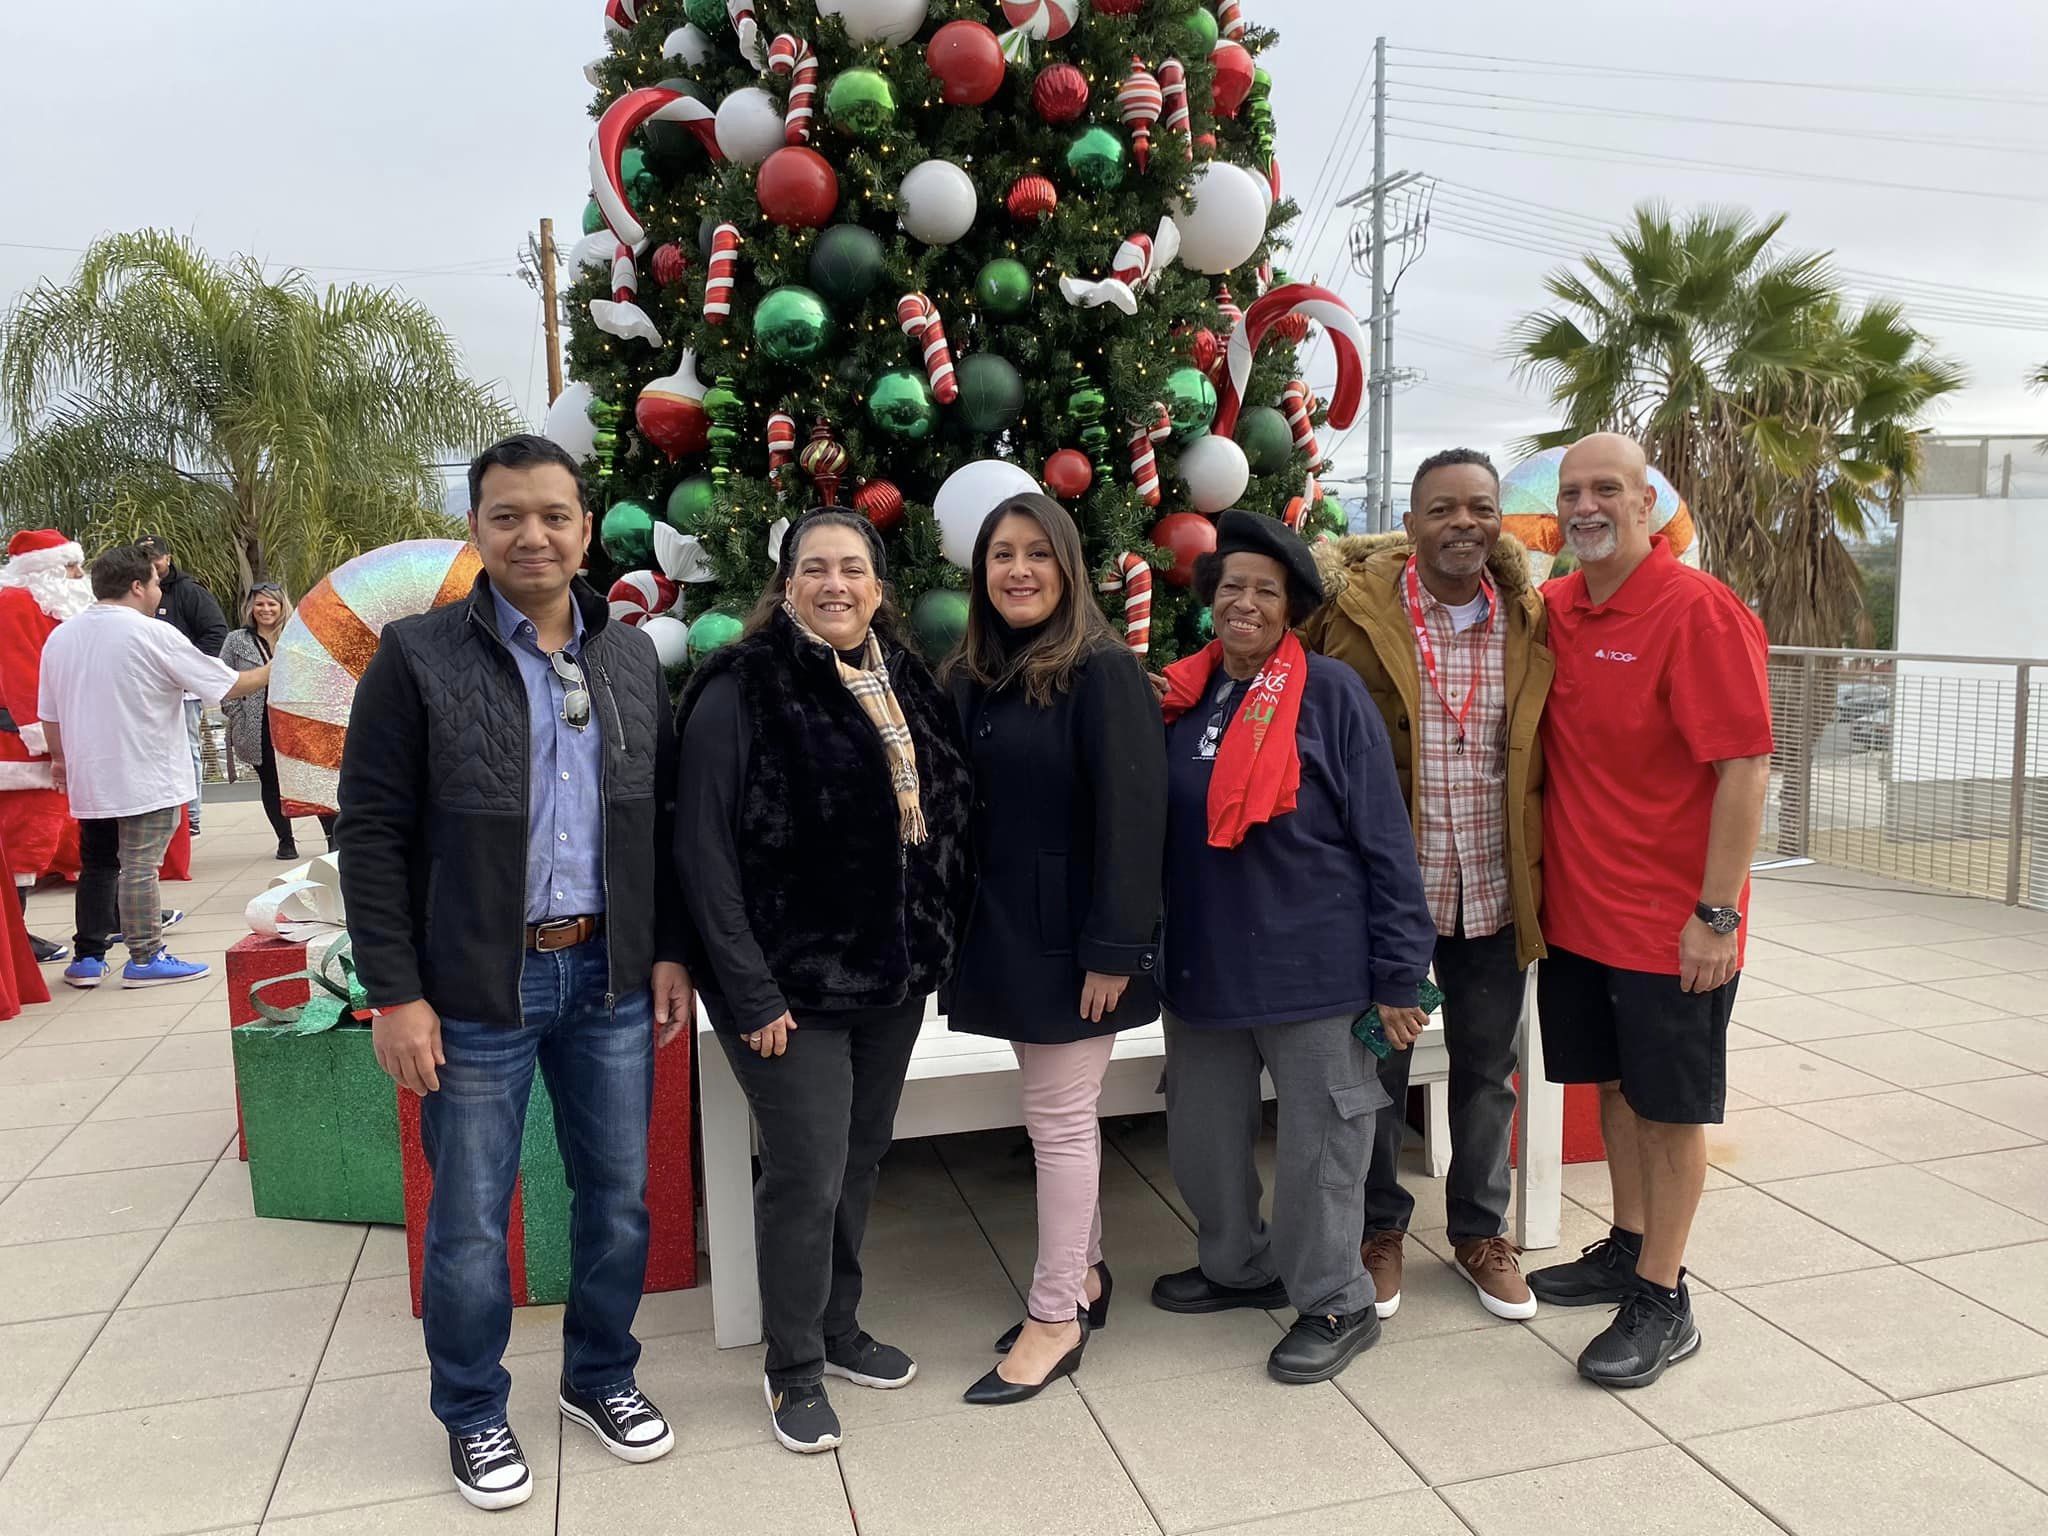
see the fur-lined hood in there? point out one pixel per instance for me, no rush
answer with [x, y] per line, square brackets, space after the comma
[1359, 553]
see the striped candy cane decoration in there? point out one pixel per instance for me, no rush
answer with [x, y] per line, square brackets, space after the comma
[1132, 576]
[781, 449]
[748, 27]
[1300, 405]
[791, 55]
[1173, 95]
[1156, 426]
[919, 318]
[725, 264]
[1230, 20]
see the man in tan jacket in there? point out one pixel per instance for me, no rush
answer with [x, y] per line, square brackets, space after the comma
[1445, 628]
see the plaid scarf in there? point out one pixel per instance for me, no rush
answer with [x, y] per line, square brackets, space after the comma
[869, 684]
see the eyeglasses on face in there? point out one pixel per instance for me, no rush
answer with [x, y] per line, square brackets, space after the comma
[576, 692]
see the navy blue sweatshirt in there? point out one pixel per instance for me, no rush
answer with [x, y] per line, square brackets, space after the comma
[1317, 913]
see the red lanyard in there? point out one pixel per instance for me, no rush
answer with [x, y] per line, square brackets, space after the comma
[1423, 644]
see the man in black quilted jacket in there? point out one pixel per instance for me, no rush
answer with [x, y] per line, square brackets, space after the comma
[505, 835]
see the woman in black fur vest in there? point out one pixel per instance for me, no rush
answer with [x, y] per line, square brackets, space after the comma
[821, 819]
[1069, 833]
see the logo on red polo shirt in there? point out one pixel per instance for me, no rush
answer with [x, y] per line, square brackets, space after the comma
[1607, 655]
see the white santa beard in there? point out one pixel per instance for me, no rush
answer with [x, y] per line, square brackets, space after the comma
[56, 594]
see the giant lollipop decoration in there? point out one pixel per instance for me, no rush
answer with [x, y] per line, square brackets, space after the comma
[1040, 21]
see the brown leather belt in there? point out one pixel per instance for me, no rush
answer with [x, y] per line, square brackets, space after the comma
[563, 933]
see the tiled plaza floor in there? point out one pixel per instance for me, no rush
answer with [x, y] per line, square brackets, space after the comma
[1871, 1268]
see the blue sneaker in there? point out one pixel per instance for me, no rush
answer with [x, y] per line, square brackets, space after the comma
[171, 918]
[162, 969]
[85, 972]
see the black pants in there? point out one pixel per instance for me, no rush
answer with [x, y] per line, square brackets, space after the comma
[273, 802]
[826, 1110]
[1483, 992]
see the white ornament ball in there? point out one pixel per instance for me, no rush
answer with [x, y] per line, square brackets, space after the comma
[568, 424]
[964, 502]
[671, 637]
[691, 44]
[877, 21]
[777, 532]
[938, 202]
[749, 125]
[1216, 471]
[1223, 220]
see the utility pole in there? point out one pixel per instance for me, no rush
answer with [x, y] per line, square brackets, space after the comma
[552, 310]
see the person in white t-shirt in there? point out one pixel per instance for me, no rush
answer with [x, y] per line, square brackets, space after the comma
[112, 705]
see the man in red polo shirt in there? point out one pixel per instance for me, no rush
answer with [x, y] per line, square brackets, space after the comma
[1658, 741]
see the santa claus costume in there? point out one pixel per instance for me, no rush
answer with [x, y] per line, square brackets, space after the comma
[37, 593]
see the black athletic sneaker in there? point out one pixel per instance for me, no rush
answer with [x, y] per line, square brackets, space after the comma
[490, 1469]
[866, 1363]
[48, 951]
[1317, 1348]
[1603, 1274]
[802, 1415]
[624, 1421]
[1650, 1331]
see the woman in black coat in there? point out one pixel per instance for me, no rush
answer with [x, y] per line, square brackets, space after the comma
[822, 819]
[1069, 828]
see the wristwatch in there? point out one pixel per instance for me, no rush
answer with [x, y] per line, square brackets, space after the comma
[1720, 919]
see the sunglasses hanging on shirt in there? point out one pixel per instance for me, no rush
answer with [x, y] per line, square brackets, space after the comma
[576, 692]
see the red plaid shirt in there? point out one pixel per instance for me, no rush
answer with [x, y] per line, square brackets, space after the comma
[1461, 797]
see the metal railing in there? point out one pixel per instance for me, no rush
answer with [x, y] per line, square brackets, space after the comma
[1921, 767]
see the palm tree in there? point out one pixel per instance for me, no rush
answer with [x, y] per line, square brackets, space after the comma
[267, 429]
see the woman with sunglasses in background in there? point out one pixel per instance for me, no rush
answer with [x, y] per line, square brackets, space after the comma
[822, 818]
[252, 646]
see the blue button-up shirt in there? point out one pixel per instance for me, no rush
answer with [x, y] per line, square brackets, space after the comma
[565, 772]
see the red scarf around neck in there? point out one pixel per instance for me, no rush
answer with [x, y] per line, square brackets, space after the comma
[1249, 784]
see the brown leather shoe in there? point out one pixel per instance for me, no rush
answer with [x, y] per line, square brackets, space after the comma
[1382, 1255]
[1490, 1264]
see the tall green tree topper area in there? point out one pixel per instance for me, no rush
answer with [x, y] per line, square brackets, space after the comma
[914, 257]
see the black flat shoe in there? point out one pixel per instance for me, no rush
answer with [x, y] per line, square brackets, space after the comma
[993, 1392]
[1317, 1348]
[1189, 1290]
[1098, 1312]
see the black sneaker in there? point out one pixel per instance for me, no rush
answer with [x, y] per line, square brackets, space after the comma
[1604, 1273]
[490, 1469]
[624, 1421]
[48, 951]
[1317, 1348]
[1189, 1290]
[802, 1415]
[866, 1363]
[1649, 1332]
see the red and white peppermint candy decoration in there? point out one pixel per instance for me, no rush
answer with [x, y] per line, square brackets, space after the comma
[621, 120]
[1138, 263]
[621, 15]
[919, 318]
[1045, 21]
[725, 267]
[1155, 426]
[620, 315]
[1230, 20]
[781, 449]
[1317, 304]
[748, 27]
[792, 55]
[638, 596]
[1299, 404]
[1139, 103]
[1173, 90]
[1132, 575]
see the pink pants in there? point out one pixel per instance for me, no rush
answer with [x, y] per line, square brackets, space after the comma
[1062, 1089]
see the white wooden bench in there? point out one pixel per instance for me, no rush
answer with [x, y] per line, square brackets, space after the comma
[968, 1083]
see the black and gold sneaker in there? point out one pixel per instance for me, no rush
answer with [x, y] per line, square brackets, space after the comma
[802, 1415]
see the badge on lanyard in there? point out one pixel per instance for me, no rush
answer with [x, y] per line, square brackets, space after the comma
[1413, 581]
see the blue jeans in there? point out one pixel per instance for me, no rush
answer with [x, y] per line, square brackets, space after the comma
[598, 1065]
[195, 714]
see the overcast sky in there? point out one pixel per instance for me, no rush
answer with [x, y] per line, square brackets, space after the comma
[416, 136]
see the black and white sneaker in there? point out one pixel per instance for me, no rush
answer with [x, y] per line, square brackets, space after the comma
[803, 1417]
[490, 1469]
[624, 1421]
[866, 1363]
[48, 951]
[1651, 1330]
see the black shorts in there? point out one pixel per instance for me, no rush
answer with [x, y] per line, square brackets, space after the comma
[1668, 1048]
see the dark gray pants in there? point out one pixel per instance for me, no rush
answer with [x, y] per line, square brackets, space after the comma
[826, 1110]
[1483, 992]
[1327, 1097]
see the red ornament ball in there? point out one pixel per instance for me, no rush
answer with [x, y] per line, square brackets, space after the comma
[1068, 474]
[1060, 93]
[668, 264]
[968, 61]
[1205, 350]
[1234, 69]
[798, 188]
[1032, 197]
[881, 503]
[1294, 327]
[1118, 7]
[1187, 536]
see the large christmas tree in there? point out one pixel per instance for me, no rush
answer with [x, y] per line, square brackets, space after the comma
[910, 257]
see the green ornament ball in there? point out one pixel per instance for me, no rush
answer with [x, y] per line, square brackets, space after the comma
[711, 630]
[690, 505]
[1267, 440]
[861, 102]
[713, 17]
[1004, 287]
[792, 325]
[900, 403]
[991, 392]
[847, 264]
[632, 165]
[593, 217]
[627, 533]
[938, 621]
[1096, 159]
[1190, 399]
[1205, 625]
[1201, 23]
